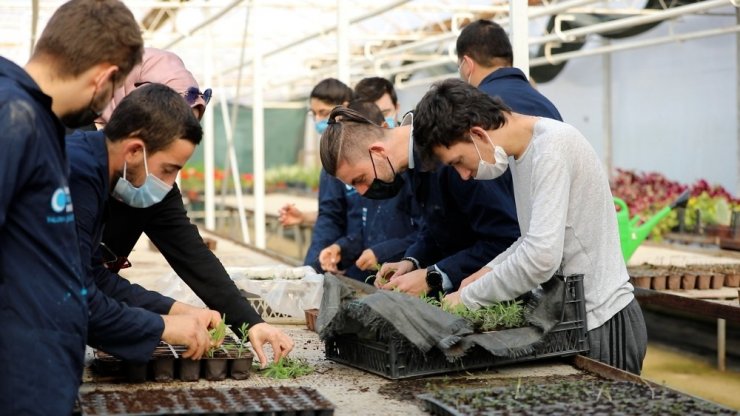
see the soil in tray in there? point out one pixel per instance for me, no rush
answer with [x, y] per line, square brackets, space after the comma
[404, 390]
[579, 397]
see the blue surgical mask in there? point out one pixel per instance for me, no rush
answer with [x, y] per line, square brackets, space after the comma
[151, 192]
[391, 122]
[321, 125]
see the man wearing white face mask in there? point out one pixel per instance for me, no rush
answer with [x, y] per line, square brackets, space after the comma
[150, 136]
[564, 207]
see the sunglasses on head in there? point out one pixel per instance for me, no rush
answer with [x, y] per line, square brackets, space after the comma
[190, 95]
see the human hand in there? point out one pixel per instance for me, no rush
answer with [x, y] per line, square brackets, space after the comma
[452, 300]
[367, 260]
[392, 271]
[473, 277]
[207, 317]
[414, 283]
[188, 331]
[330, 257]
[281, 343]
[290, 215]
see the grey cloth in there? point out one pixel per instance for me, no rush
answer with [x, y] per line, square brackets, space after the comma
[622, 341]
[400, 317]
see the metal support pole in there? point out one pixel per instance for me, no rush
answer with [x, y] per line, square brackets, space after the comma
[208, 132]
[258, 131]
[342, 42]
[737, 98]
[607, 112]
[518, 10]
[721, 344]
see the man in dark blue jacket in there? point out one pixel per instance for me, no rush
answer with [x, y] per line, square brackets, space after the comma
[485, 61]
[86, 48]
[156, 119]
[462, 222]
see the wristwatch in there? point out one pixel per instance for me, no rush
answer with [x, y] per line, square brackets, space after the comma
[434, 281]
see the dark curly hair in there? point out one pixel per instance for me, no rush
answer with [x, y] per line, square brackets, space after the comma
[448, 111]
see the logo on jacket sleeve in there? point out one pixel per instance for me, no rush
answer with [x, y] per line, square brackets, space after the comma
[61, 203]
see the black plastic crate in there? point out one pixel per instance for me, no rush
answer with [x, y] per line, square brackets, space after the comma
[232, 401]
[396, 358]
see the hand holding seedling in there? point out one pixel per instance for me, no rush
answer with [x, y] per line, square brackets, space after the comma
[290, 215]
[330, 257]
[367, 260]
[414, 283]
[390, 271]
[186, 330]
[263, 333]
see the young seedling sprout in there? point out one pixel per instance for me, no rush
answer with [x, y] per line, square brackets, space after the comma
[241, 345]
[217, 335]
[287, 368]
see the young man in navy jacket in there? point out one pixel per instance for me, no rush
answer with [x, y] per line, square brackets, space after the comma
[150, 136]
[84, 52]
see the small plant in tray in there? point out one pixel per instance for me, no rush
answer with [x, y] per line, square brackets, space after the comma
[287, 368]
[500, 315]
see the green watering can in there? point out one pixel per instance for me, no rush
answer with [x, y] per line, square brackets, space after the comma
[632, 235]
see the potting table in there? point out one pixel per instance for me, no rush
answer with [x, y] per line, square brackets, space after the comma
[350, 390]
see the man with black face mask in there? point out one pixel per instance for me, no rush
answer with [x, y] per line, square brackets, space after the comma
[86, 48]
[463, 221]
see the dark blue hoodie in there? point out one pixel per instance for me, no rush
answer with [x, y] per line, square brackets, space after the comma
[43, 307]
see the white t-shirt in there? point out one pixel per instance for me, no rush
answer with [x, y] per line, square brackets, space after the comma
[566, 215]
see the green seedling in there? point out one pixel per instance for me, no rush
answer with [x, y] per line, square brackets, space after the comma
[490, 318]
[241, 345]
[382, 279]
[217, 335]
[286, 368]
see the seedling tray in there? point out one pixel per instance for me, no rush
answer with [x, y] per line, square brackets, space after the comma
[395, 358]
[243, 401]
[581, 398]
[165, 366]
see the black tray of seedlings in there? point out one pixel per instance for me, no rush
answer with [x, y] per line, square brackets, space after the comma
[393, 357]
[167, 364]
[569, 398]
[232, 401]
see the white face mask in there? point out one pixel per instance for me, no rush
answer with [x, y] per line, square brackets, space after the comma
[487, 170]
[151, 192]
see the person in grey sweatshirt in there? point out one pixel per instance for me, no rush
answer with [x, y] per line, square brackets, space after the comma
[564, 206]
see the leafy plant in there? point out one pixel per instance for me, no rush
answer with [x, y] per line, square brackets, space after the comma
[287, 368]
[241, 345]
[508, 314]
[383, 279]
[217, 334]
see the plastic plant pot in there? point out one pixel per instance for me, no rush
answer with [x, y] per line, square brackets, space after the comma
[216, 367]
[164, 369]
[641, 282]
[674, 281]
[658, 282]
[136, 372]
[718, 280]
[240, 367]
[732, 280]
[703, 280]
[189, 369]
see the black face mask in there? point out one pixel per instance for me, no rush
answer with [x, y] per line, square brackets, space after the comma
[384, 190]
[84, 117]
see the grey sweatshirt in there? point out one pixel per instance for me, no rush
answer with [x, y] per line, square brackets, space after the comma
[566, 215]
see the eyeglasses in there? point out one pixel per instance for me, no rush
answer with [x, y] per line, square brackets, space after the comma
[190, 95]
[193, 93]
[111, 261]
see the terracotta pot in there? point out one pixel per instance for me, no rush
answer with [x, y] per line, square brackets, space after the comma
[641, 282]
[718, 280]
[732, 280]
[688, 281]
[189, 369]
[674, 281]
[311, 315]
[703, 280]
[658, 282]
[721, 231]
